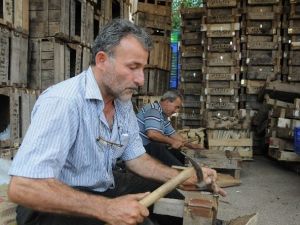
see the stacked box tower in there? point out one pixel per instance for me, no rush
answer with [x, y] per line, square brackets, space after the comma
[191, 58]
[155, 17]
[227, 124]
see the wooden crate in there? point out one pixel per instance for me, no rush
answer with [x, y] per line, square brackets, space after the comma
[192, 76]
[221, 30]
[191, 63]
[16, 110]
[192, 13]
[162, 8]
[192, 51]
[293, 58]
[263, 42]
[222, 59]
[52, 61]
[222, 15]
[70, 20]
[191, 25]
[160, 55]
[294, 12]
[263, 57]
[156, 82]
[260, 72]
[216, 70]
[13, 58]
[262, 27]
[227, 44]
[263, 12]
[282, 150]
[152, 21]
[192, 38]
[223, 87]
[262, 2]
[294, 26]
[15, 14]
[221, 4]
[191, 88]
[253, 86]
[232, 140]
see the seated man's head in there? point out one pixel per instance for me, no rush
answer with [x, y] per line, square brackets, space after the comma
[170, 102]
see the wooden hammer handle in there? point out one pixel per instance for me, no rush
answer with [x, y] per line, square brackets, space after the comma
[167, 187]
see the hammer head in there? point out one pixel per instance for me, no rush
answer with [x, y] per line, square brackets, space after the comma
[198, 169]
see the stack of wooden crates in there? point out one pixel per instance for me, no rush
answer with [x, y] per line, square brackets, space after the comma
[192, 39]
[155, 17]
[43, 43]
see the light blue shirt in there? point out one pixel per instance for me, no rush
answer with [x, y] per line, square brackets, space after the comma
[61, 140]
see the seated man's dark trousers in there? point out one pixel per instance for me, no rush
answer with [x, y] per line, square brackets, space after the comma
[125, 183]
[160, 151]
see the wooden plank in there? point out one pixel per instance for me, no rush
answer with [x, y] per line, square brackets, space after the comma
[231, 142]
[170, 207]
[4, 55]
[221, 4]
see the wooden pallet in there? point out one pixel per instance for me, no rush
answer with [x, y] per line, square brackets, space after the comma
[13, 58]
[16, 111]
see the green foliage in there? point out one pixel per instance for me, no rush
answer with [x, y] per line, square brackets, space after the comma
[176, 5]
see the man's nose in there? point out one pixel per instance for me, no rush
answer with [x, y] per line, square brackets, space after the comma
[139, 78]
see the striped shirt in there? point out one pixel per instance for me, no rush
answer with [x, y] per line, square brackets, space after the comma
[151, 117]
[61, 140]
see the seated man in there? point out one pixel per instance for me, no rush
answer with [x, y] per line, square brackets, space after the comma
[159, 137]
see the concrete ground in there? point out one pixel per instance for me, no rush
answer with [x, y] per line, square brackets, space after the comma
[267, 189]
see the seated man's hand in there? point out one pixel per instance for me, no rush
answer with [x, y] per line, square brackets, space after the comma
[176, 144]
[195, 146]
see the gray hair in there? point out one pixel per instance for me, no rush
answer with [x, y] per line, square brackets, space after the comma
[171, 95]
[113, 32]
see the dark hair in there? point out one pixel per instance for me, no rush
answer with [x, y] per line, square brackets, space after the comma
[171, 95]
[113, 32]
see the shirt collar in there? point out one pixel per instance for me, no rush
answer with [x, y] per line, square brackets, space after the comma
[92, 90]
[159, 106]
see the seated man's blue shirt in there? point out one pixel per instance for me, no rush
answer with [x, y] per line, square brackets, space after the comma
[151, 117]
[61, 140]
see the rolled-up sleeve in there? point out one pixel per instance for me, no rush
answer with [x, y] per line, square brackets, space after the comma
[48, 140]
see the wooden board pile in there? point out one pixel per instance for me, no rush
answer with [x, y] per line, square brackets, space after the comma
[43, 43]
[7, 208]
[155, 17]
[284, 116]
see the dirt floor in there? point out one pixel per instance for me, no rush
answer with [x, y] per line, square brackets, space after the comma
[267, 189]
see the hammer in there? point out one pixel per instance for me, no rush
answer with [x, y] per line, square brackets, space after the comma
[177, 180]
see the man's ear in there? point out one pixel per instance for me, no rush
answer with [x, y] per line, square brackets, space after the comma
[101, 57]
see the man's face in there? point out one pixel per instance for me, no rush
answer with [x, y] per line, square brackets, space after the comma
[125, 70]
[172, 107]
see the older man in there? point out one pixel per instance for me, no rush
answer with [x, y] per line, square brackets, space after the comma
[159, 137]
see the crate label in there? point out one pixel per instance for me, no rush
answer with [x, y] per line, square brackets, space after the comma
[220, 33]
[219, 91]
[220, 105]
[257, 30]
[263, 2]
[220, 3]
[220, 19]
[262, 45]
[219, 76]
[218, 47]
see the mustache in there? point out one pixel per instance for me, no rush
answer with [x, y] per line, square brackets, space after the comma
[133, 89]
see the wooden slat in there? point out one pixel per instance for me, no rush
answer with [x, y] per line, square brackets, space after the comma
[231, 142]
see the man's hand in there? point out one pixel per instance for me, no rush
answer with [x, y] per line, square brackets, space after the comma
[210, 177]
[126, 210]
[176, 144]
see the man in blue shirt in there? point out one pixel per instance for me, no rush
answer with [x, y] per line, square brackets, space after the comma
[63, 171]
[159, 137]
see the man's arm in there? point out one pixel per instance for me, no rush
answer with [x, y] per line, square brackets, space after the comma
[177, 136]
[159, 137]
[148, 167]
[50, 195]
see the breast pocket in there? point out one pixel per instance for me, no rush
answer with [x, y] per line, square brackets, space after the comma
[118, 150]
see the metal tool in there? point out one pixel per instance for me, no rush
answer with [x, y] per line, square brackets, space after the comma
[201, 184]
